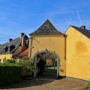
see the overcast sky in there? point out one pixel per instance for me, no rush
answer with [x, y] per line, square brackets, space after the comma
[27, 15]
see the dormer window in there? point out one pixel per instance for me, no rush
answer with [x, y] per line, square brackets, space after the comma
[6, 49]
[12, 47]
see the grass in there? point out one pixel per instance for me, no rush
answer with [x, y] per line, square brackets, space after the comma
[9, 64]
[51, 69]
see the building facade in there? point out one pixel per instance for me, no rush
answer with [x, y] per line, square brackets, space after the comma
[13, 48]
[78, 53]
[72, 48]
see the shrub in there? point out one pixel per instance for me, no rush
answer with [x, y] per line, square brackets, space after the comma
[27, 68]
[9, 74]
[4, 60]
[9, 64]
[88, 86]
[11, 71]
[27, 64]
[11, 61]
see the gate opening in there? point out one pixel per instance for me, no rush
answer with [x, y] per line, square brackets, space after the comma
[46, 64]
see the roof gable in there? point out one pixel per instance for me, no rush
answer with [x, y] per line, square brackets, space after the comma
[83, 31]
[15, 43]
[12, 45]
[46, 28]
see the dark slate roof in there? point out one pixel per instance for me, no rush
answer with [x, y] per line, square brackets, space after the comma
[15, 42]
[83, 31]
[46, 28]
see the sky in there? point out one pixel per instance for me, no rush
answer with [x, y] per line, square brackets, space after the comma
[26, 16]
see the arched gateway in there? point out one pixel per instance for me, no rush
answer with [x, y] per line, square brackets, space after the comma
[46, 54]
[48, 39]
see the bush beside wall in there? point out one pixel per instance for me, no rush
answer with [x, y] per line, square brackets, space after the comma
[9, 74]
[88, 86]
[12, 71]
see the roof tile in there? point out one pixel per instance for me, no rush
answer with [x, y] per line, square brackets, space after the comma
[46, 28]
[83, 31]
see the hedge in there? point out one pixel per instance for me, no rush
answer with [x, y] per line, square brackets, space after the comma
[12, 71]
[87, 86]
[9, 74]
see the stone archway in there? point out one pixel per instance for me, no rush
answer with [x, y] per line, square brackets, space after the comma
[35, 60]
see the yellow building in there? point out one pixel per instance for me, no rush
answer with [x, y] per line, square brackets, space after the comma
[5, 56]
[7, 49]
[13, 47]
[71, 48]
[48, 38]
[78, 53]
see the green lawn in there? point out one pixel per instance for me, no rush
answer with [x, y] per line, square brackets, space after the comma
[51, 69]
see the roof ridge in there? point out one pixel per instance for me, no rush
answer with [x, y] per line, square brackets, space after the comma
[46, 28]
[79, 27]
[52, 24]
[83, 31]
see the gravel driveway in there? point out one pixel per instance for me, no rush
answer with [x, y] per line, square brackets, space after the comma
[43, 84]
[47, 83]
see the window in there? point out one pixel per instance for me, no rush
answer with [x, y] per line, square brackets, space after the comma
[12, 47]
[6, 49]
[0, 60]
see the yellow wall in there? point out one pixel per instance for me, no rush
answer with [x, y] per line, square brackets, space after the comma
[77, 55]
[7, 56]
[54, 43]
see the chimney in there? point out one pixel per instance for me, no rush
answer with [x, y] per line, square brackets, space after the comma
[10, 39]
[21, 35]
[23, 42]
[83, 27]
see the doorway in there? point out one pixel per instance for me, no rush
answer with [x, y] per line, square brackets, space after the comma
[46, 64]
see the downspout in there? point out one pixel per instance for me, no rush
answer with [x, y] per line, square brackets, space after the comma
[30, 44]
[65, 46]
[65, 54]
